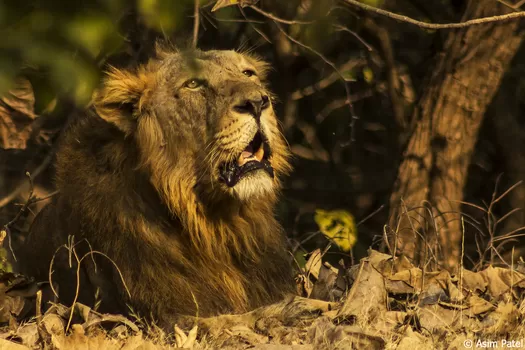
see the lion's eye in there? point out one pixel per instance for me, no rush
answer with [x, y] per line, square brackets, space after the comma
[193, 83]
[248, 73]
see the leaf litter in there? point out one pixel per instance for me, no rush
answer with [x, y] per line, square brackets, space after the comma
[381, 303]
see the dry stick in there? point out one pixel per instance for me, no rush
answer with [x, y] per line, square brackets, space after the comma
[291, 22]
[277, 19]
[326, 81]
[18, 215]
[357, 36]
[370, 215]
[38, 307]
[424, 25]
[506, 216]
[11, 196]
[77, 291]
[286, 21]
[196, 22]
[461, 262]
[24, 207]
[515, 7]
[334, 67]
[36, 199]
[261, 33]
[91, 253]
[413, 228]
[337, 104]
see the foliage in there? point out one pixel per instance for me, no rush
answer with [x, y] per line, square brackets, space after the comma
[62, 46]
[339, 226]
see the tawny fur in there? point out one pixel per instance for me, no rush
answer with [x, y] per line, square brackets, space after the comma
[138, 180]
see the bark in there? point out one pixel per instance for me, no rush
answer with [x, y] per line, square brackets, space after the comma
[449, 113]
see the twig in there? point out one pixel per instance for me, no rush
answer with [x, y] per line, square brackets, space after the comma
[514, 7]
[226, 20]
[36, 199]
[11, 196]
[264, 36]
[357, 36]
[277, 19]
[19, 214]
[24, 207]
[406, 19]
[334, 67]
[285, 21]
[196, 22]
[507, 191]
[340, 103]
[370, 215]
[38, 306]
[326, 81]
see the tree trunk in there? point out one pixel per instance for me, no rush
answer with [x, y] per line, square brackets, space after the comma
[449, 113]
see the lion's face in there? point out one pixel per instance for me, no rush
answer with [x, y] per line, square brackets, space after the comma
[209, 114]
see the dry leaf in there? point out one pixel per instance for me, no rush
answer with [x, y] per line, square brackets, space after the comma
[499, 280]
[17, 115]
[314, 263]
[503, 320]
[368, 296]
[9, 345]
[192, 337]
[412, 340]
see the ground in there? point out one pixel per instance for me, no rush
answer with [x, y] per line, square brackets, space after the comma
[381, 303]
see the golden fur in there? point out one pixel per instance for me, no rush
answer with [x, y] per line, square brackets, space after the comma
[140, 180]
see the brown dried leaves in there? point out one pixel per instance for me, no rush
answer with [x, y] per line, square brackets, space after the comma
[17, 115]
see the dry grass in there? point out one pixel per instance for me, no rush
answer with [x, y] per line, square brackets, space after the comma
[384, 302]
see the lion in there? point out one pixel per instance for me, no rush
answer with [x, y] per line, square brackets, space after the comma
[168, 184]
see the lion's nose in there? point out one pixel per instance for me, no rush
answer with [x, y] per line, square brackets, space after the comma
[254, 105]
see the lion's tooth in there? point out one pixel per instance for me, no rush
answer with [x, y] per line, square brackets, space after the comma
[241, 160]
[246, 154]
[259, 154]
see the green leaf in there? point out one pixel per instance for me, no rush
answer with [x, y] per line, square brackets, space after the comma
[90, 31]
[161, 15]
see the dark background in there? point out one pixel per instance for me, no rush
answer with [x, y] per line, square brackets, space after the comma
[345, 156]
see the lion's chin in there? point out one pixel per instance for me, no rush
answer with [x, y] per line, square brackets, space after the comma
[254, 185]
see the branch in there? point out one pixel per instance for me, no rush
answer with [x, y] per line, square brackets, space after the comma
[394, 88]
[327, 81]
[253, 26]
[334, 67]
[278, 19]
[357, 36]
[196, 22]
[11, 196]
[513, 7]
[340, 103]
[425, 25]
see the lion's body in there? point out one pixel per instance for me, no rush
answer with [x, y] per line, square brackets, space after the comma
[138, 183]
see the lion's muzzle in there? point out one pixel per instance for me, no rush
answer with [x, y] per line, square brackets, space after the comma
[254, 157]
[248, 100]
[253, 103]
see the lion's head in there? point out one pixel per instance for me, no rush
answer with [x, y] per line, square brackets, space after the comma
[207, 117]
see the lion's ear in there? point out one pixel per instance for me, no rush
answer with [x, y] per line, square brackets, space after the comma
[121, 97]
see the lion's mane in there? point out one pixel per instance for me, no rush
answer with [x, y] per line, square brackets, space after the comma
[134, 187]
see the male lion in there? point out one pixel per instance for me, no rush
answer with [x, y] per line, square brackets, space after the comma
[173, 174]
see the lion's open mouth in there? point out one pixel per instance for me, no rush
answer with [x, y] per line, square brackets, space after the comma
[254, 157]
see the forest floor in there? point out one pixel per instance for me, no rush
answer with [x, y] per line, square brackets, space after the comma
[381, 303]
